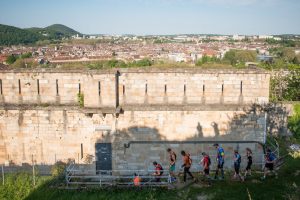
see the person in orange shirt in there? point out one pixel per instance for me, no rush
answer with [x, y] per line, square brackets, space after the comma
[137, 180]
[187, 162]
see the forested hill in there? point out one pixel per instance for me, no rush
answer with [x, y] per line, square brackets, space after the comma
[55, 31]
[62, 29]
[10, 35]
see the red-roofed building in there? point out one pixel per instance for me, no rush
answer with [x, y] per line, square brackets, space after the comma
[3, 58]
[210, 53]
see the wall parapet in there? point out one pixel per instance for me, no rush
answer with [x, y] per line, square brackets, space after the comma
[127, 87]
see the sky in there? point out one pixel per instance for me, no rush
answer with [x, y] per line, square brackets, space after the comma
[144, 17]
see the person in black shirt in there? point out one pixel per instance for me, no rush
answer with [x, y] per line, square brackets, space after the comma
[249, 163]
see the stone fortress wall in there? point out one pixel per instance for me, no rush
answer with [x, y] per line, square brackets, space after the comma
[140, 112]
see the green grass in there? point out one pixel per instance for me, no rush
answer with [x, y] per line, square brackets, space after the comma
[271, 188]
[287, 186]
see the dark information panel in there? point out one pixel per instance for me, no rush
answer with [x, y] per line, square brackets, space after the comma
[103, 156]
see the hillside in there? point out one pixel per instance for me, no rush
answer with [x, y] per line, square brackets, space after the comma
[10, 35]
[55, 31]
[59, 28]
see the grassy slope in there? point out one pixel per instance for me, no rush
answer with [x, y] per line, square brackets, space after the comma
[271, 188]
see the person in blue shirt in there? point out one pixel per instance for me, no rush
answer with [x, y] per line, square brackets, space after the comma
[270, 159]
[237, 165]
[220, 160]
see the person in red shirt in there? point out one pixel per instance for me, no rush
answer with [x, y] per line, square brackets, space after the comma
[158, 171]
[206, 163]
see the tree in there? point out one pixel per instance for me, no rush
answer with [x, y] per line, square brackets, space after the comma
[297, 59]
[20, 63]
[207, 59]
[292, 91]
[285, 87]
[231, 57]
[11, 59]
[288, 54]
[240, 56]
[143, 63]
[26, 55]
[246, 56]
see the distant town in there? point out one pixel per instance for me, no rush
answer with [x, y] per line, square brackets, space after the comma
[190, 50]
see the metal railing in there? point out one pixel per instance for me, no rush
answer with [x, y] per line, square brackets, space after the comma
[114, 178]
[83, 176]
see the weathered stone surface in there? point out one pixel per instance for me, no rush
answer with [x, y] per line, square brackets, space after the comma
[47, 127]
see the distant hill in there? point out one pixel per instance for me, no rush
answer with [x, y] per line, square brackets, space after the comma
[55, 31]
[10, 35]
[64, 30]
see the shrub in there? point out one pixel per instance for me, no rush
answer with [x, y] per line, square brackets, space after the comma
[58, 169]
[11, 59]
[17, 186]
[80, 99]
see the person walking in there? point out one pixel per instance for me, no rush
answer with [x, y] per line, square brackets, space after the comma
[158, 172]
[270, 159]
[249, 162]
[206, 165]
[220, 160]
[187, 163]
[172, 161]
[237, 165]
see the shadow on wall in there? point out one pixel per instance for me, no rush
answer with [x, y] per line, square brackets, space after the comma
[246, 126]
[277, 118]
[137, 146]
[249, 125]
[134, 133]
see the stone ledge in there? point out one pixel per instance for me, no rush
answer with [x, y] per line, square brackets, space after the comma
[130, 107]
[192, 70]
[190, 107]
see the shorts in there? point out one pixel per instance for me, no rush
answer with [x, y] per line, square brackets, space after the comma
[172, 168]
[220, 165]
[206, 171]
[248, 165]
[237, 168]
[269, 166]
